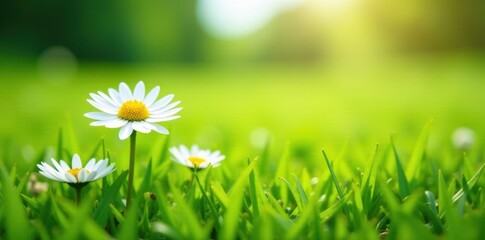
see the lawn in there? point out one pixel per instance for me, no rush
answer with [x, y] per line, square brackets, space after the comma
[312, 152]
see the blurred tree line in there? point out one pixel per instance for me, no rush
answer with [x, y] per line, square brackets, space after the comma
[103, 30]
[168, 30]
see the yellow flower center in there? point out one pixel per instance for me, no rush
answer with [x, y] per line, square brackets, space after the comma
[196, 160]
[75, 171]
[133, 110]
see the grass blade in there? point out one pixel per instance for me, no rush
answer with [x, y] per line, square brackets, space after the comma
[147, 178]
[431, 202]
[471, 183]
[231, 217]
[404, 189]
[301, 192]
[190, 220]
[220, 194]
[253, 194]
[102, 212]
[334, 176]
[212, 207]
[294, 193]
[329, 212]
[445, 208]
[128, 229]
[413, 170]
[17, 226]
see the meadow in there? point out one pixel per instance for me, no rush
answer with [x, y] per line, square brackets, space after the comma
[312, 152]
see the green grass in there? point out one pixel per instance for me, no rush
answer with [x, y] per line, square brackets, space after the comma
[413, 184]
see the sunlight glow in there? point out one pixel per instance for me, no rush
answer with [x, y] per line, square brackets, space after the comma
[236, 18]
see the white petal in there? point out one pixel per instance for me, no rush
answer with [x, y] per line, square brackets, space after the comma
[173, 149]
[218, 159]
[97, 165]
[47, 175]
[165, 114]
[103, 108]
[164, 109]
[138, 126]
[48, 169]
[187, 163]
[203, 154]
[177, 154]
[76, 161]
[102, 101]
[194, 150]
[204, 165]
[106, 171]
[185, 151]
[215, 164]
[99, 123]
[82, 175]
[115, 96]
[42, 167]
[103, 165]
[100, 116]
[152, 96]
[60, 177]
[58, 167]
[159, 129]
[166, 119]
[89, 166]
[125, 92]
[116, 123]
[64, 166]
[161, 103]
[215, 154]
[179, 157]
[103, 123]
[91, 176]
[139, 92]
[107, 99]
[70, 178]
[148, 125]
[125, 131]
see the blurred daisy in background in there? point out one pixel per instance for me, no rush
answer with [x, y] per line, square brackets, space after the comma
[463, 138]
[35, 186]
[195, 157]
[132, 110]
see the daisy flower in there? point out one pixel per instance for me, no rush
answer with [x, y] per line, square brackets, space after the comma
[132, 110]
[77, 174]
[196, 157]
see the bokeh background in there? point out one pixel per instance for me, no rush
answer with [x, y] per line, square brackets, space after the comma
[321, 73]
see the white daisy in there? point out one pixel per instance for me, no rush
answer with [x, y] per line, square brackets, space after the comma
[77, 174]
[132, 110]
[195, 157]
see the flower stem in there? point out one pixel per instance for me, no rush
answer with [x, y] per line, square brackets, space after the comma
[132, 168]
[191, 186]
[78, 194]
